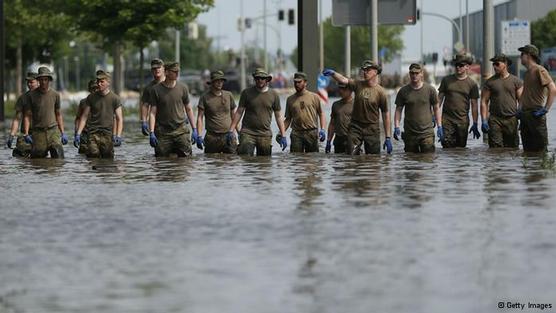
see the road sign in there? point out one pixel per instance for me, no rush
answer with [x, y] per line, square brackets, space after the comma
[515, 34]
[390, 12]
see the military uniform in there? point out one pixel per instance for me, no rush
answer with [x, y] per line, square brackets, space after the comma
[255, 131]
[218, 111]
[364, 128]
[302, 112]
[534, 134]
[170, 126]
[22, 149]
[85, 133]
[44, 132]
[458, 94]
[418, 135]
[100, 124]
[341, 116]
[502, 120]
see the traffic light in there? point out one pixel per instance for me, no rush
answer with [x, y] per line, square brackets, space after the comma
[435, 57]
[248, 23]
[280, 15]
[291, 17]
[418, 14]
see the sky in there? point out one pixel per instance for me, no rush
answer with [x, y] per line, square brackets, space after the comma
[221, 22]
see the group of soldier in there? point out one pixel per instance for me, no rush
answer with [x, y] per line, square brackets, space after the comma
[166, 111]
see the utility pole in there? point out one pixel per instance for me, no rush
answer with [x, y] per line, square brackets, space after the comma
[321, 38]
[421, 57]
[348, 51]
[307, 40]
[467, 26]
[2, 60]
[374, 30]
[265, 57]
[242, 53]
[177, 53]
[488, 38]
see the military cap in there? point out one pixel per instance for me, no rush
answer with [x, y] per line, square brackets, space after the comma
[31, 76]
[371, 64]
[173, 66]
[156, 63]
[262, 74]
[102, 75]
[92, 85]
[299, 76]
[44, 71]
[217, 75]
[501, 58]
[462, 58]
[530, 50]
[415, 68]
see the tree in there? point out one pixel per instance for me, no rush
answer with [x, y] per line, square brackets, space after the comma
[389, 37]
[542, 31]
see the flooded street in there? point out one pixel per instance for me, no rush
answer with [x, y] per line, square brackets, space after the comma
[455, 231]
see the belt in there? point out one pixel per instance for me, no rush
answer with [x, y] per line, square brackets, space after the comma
[43, 128]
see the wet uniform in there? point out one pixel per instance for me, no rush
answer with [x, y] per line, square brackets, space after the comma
[217, 111]
[22, 149]
[418, 135]
[364, 129]
[534, 134]
[341, 116]
[100, 124]
[170, 126]
[85, 133]
[302, 113]
[44, 132]
[502, 121]
[255, 129]
[458, 94]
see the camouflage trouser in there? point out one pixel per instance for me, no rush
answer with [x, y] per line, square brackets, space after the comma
[46, 140]
[304, 141]
[534, 134]
[22, 149]
[418, 143]
[178, 142]
[100, 145]
[367, 135]
[217, 143]
[340, 144]
[455, 133]
[83, 145]
[248, 144]
[502, 132]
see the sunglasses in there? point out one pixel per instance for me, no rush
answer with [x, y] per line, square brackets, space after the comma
[496, 63]
[260, 78]
[461, 64]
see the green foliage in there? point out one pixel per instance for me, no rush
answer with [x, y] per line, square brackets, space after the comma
[542, 31]
[194, 53]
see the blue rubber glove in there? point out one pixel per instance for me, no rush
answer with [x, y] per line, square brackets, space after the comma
[28, 139]
[76, 140]
[475, 130]
[230, 137]
[518, 114]
[64, 139]
[328, 147]
[485, 127]
[328, 72]
[540, 112]
[200, 142]
[388, 145]
[194, 136]
[440, 133]
[145, 128]
[153, 140]
[118, 141]
[397, 133]
[322, 135]
[283, 143]
[10, 141]
[433, 121]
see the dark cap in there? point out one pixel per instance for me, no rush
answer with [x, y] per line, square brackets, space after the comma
[416, 68]
[370, 64]
[92, 85]
[102, 75]
[31, 76]
[174, 67]
[262, 73]
[299, 76]
[530, 50]
[157, 63]
[501, 58]
[462, 58]
[216, 75]
[44, 71]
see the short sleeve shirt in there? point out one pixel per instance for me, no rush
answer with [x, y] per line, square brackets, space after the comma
[368, 102]
[458, 94]
[146, 92]
[259, 107]
[303, 110]
[217, 110]
[21, 101]
[43, 107]
[503, 95]
[417, 104]
[170, 104]
[341, 116]
[534, 88]
[103, 107]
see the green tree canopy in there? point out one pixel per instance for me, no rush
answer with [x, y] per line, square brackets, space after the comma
[543, 31]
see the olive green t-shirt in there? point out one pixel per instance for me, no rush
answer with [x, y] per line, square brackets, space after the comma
[341, 115]
[417, 104]
[170, 104]
[146, 92]
[259, 107]
[80, 108]
[535, 81]
[217, 110]
[503, 95]
[103, 107]
[458, 94]
[303, 110]
[21, 101]
[43, 107]
[367, 102]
